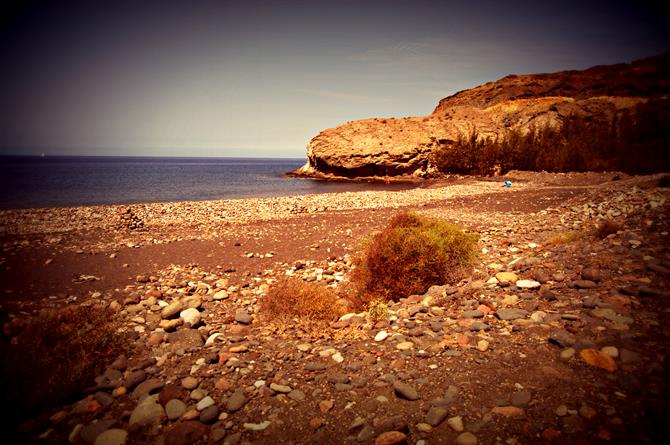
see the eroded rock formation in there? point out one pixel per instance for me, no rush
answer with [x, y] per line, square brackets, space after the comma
[402, 147]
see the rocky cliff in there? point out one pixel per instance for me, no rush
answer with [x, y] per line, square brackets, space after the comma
[402, 147]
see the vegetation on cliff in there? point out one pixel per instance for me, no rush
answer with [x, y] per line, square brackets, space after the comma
[633, 141]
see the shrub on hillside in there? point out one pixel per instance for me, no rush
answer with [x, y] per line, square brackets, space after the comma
[632, 141]
[57, 355]
[292, 297]
[411, 254]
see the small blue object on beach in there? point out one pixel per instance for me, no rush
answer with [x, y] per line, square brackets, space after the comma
[508, 184]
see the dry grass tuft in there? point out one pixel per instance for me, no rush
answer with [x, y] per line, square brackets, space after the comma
[411, 254]
[292, 297]
[558, 239]
[56, 356]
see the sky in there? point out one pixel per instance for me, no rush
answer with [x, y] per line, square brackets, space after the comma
[261, 78]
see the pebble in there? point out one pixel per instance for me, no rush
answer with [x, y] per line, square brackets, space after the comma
[612, 351]
[466, 438]
[242, 316]
[189, 382]
[511, 314]
[114, 436]
[436, 415]
[527, 284]
[172, 309]
[381, 336]
[209, 414]
[174, 409]
[456, 423]
[521, 398]
[405, 391]
[236, 401]
[183, 433]
[405, 346]
[147, 412]
[482, 345]
[191, 316]
[284, 389]
[205, 402]
[506, 278]
[257, 426]
[391, 438]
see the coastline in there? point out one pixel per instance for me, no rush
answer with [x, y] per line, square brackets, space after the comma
[226, 254]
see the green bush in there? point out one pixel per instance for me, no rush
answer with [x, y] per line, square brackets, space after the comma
[411, 254]
[57, 355]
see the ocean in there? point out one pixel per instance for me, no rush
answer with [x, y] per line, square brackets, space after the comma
[64, 181]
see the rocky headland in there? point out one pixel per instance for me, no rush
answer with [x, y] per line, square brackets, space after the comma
[394, 148]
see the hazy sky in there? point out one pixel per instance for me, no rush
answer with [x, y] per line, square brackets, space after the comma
[261, 78]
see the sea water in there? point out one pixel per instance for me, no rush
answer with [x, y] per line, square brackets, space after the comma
[60, 181]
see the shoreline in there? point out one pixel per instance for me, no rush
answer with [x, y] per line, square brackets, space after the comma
[228, 254]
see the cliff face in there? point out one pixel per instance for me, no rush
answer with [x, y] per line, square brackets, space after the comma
[394, 147]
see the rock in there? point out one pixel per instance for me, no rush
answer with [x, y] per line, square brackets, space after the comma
[257, 426]
[236, 401]
[91, 431]
[147, 412]
[114, 436]
[284, 389]
[170, 392]
[134, 379]
[172, 309]
[521, 398]
[381, 336]
[506, 278]
[147, 387]
[391, 438]
[405, 391]
[185, 339]
[365, 434]
[562, 338]
[482, 345]
[404, 346]
[174, 409]
[456, 423]
[205, 402]
[591, 274]
[242, 316]
[466, 438]
[527, 284]
[191, 316]
[189, 382]
[473, 314]
[511, 313]
[584, 284]
[209, 414]
[184, 433]
[296, 395]
[612, 351]
[508, 411]
[436, 415]
[326, 405]
[598, 359]
[587, 412]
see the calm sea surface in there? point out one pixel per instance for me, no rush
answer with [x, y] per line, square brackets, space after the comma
[27, 182]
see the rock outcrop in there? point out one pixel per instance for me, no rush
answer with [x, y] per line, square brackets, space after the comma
[402, 147]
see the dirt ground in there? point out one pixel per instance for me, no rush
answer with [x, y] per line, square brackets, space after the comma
[489, 362]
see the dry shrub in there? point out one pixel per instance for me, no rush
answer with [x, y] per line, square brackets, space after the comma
[57, 355]
[411, 254]
[606, 228]
[292, 297]
[565, 237]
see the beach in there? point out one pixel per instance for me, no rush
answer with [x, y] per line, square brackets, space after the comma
[476, 357]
